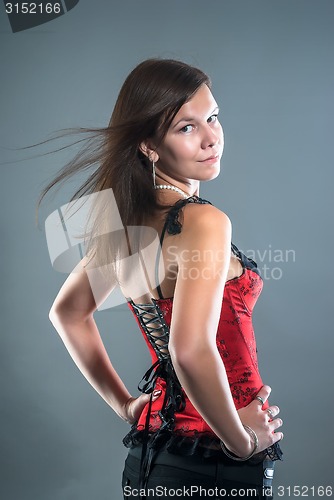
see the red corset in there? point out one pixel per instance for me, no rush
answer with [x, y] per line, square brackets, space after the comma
[236, 345]
[171, 421]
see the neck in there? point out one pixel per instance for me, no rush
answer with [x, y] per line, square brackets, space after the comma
[190, 187]
[170, 187]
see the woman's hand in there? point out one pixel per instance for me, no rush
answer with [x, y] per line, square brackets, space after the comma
[134, 406]
[263, 422]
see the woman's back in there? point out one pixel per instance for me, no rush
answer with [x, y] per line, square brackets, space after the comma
[170, 227]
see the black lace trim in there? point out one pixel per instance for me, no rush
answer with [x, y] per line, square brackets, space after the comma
[173, 224]
[198, 443]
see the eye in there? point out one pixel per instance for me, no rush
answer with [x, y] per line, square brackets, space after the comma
[213, 118]
[187, 128]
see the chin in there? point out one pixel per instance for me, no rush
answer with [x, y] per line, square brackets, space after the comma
[210, 176]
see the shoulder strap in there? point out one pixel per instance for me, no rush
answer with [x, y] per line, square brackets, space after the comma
[173, 226]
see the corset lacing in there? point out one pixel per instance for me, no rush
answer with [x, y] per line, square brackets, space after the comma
[174, 401]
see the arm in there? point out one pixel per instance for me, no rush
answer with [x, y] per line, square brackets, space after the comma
[72, 316]
[196, 310]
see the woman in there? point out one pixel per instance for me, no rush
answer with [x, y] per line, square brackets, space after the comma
[203, 422]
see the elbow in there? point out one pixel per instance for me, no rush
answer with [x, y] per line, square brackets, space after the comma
[180, 360]
[62, 313]
[55, 313]
[185, 358]
[181, 357]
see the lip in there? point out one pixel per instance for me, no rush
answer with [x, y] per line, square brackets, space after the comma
[212, 159]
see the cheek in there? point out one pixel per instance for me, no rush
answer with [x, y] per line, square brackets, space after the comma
[222, 139]
[182, 151]
[188, 149]
[220, 132]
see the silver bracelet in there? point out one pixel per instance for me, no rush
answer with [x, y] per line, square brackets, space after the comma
[242, 459]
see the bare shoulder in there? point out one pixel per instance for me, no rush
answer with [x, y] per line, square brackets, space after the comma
[205, 213]
[205, 222]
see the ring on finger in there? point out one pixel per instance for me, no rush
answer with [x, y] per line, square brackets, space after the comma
[260, 399]
[270, 413]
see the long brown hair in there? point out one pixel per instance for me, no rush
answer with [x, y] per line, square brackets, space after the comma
[148, 101]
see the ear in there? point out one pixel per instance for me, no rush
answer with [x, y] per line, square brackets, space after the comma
[148, 150]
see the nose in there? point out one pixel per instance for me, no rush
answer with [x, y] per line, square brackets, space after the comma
[210, 137]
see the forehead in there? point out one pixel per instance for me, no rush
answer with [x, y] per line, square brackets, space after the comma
[201, 103]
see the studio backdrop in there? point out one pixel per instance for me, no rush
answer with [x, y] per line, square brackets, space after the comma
[271, 63]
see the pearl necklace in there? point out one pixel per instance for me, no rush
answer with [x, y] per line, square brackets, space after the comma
[172, 188]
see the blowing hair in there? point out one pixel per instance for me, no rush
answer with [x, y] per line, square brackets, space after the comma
[148, 101]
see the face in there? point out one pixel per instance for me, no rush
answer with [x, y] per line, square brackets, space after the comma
[194, 143]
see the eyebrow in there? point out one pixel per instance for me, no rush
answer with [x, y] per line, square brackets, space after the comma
[190, 119]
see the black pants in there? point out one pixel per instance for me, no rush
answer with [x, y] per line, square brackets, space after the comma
[194, 477]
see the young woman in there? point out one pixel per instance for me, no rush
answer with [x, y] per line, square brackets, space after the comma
[203, 425]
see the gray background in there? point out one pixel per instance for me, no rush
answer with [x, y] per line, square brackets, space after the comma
[272, 67]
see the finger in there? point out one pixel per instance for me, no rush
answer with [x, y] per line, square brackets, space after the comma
[263, 395]
[272, 411]
[143, 397]
[278, 436]
[147, 396]
[139, 403]
[275, 424]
